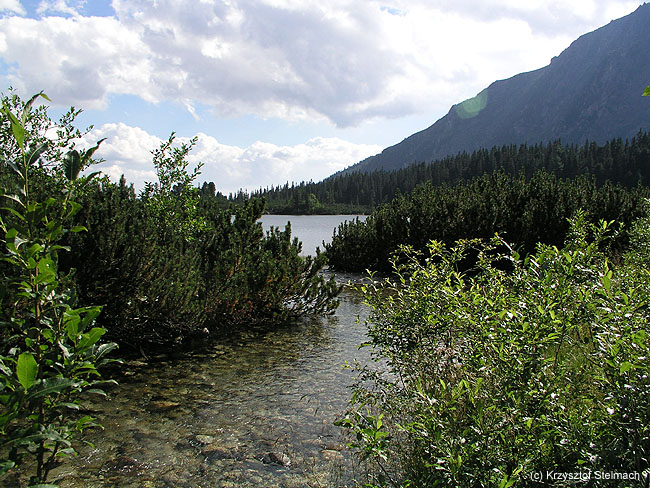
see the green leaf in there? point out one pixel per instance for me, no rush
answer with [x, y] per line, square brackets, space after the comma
[66, 452]
[13, 211]
[105, 349]
[49, 386]
[646, 93]
[35, 248]
[15, 198]
[19, 241]
[97, 391]
[71, 324]
[606, 280]
[89, 152]
[26, 370]
[90, 314]
[16, 169]
[46, 271]
[4, 370]
[71, 406]
[90, 338]
[16, 127]
[91, 176]
[11, 233]
[60, 248]
[29, 103]
[33, 155]
[626, 366]
[72, 165]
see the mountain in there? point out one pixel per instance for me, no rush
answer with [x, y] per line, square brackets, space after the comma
[592, 91]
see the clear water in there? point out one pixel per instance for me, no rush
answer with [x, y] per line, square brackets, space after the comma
[312, 230]
[208, 420]
[211, 419]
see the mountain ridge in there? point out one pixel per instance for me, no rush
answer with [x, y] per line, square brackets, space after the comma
[591, 91]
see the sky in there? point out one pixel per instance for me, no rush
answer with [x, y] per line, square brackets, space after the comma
[275, 90]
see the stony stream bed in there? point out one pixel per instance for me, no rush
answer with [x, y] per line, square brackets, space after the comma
[253, 411]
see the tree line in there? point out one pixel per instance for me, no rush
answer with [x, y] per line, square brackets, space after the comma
[621, 161]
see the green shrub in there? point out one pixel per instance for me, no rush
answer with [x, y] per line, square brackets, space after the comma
[524, 211]
[170, 267]
[515, 367]
[49, 351]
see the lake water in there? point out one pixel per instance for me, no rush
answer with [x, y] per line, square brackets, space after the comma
[312, 230]
[210, 419]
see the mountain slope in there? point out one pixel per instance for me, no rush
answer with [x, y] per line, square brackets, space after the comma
[592, 91]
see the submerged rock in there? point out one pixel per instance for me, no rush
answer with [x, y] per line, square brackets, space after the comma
[278, 458]
[334, 446]
[204, 439]
[331, 455]
[217, 453]
[163, 405]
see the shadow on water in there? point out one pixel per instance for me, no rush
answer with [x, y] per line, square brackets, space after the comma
[253, 411]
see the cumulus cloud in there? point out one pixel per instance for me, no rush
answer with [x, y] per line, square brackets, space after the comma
[12, 6]
[342, 60]
[127, 150]
[78, 61]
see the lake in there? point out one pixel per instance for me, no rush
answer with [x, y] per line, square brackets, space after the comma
[211, 419]
[312, 230]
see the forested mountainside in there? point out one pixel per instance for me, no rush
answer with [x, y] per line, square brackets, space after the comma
[591, 91]
[621, 161]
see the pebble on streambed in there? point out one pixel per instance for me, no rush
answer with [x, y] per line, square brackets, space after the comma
[278, 458]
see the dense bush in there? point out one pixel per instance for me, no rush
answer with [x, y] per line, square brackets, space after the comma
[162, 288]
[524, 211]
[495, 376]
[169, 267]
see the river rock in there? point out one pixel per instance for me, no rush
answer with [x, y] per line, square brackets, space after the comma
[278, 458]
[334, 446]
[163, 405]
[204, 439]
[216, 453]
[331, 456]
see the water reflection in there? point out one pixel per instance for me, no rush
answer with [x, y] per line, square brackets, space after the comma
[218, 418]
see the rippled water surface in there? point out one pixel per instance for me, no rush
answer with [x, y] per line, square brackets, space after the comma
[212, 419]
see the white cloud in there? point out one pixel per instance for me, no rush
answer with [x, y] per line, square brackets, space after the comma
[12, 6]
[343, 60]
[76, 61]
[127, 150]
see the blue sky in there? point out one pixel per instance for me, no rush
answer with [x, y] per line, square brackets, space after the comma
[276, 90]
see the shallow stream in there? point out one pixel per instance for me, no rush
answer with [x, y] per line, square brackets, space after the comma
[255, 411]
